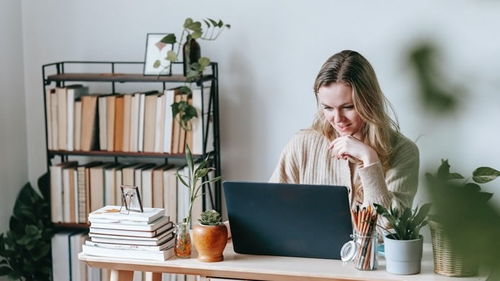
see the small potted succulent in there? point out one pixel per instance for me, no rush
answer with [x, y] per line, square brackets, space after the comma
[403, 245]
[210, 237]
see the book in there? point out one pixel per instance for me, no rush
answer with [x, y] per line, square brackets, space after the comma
[167, 132]
[158, 185]
[166, 245]
[170, 192]
[110, 126]
[61, 256]
[103, 122]
[130, 225]
[140, 132]
[127, 110]
[57, 190]
[73, 92]
[147, 187]
[83, 185]
[132, 233]
[203, 122]
[134, 122]
[89, 123]
[78, 125]
[113, 213]
[48, 115]
[128, 254]
[53, 119]
[159, 123]
[62, 118]
[128, 240]
[149, 122]
[118, 138]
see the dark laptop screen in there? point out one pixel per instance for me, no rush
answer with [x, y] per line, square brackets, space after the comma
[288, 219]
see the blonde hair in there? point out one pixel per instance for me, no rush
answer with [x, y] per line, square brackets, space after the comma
[351, 68]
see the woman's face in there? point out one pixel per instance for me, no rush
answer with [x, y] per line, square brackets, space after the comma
[336, 102]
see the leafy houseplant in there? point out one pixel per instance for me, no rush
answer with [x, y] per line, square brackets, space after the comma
[194, 63]
[25, 251]
[457, 243]
[210, 237]
[403, 245]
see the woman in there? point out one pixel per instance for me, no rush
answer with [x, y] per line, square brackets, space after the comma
[352, 142]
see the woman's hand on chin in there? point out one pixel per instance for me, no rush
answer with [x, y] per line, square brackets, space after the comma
[346, 147]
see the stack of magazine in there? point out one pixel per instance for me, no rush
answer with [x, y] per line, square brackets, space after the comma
[147, 235]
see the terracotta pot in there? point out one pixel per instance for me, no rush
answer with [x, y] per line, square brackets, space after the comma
[210, 241]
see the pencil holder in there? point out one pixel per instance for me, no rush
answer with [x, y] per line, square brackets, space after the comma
[365, 257]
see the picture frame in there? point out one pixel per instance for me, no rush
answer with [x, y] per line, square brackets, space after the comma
[131, 199]
[155, 59]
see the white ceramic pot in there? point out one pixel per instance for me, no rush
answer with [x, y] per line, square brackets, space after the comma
[403, 256]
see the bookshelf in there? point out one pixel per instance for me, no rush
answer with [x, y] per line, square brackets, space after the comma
[117, 74]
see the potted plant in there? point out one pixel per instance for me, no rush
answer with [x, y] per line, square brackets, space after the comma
[210, 237]
[446, 188]
[403, 244]
[197, 177]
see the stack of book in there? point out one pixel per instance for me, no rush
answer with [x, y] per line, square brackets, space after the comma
[148, 235]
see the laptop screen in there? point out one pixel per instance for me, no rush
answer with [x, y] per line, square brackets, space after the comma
[288, 219]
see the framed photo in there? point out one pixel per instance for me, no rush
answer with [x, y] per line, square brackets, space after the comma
[131, 199]
[155, 62]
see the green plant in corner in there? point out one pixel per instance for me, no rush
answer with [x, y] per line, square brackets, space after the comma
[405, 223]
[194, 181]
[210, 217]
[25, 251]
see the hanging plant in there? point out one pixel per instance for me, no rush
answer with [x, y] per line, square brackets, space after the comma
[182, 111]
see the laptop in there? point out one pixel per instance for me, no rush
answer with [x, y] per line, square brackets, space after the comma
[296, 220]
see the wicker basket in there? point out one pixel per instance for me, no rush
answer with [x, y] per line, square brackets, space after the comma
[446, 261]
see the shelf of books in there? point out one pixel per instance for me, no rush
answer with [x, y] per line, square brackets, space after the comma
[97, 142]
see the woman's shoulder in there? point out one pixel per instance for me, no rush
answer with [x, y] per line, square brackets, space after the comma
[403, 147]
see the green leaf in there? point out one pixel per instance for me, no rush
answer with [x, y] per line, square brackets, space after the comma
[187, 22]
[185, 90]
[196, 34]
[220, 23]
[228, 26]
[156, 64]
[207, 23]
[485, 174]
[472, 187]
[171, 56]
[214, 23]
[189, 159]
[204, 62]
[444, 169]
[169, 39]
[453, 176]
[182, 180]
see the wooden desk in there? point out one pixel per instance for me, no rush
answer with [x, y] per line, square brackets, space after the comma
[262, 268]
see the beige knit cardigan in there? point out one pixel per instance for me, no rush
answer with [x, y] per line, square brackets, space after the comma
[307, 160]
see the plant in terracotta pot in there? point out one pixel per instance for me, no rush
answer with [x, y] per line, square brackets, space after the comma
[194, 181]
[210, 237]
[403, 244]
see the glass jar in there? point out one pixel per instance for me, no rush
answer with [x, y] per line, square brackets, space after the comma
[365, 257]
[182, 240]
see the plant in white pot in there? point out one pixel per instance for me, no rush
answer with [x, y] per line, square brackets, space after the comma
[403, 245]
[210, 237]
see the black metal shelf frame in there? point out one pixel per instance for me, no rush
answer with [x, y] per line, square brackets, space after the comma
[60, 76]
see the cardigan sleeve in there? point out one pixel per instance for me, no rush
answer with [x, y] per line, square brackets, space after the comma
[398, 186]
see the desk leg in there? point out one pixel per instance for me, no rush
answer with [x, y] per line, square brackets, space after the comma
[121, 275]
[153, 276]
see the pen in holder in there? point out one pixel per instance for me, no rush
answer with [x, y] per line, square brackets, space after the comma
[365, 238]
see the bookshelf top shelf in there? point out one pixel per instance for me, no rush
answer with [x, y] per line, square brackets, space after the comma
[119, 77]
[121, 154]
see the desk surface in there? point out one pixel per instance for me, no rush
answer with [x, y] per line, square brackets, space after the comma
[269, 267]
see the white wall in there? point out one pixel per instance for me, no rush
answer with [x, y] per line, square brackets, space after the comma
[269, 58]
[13, 155]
